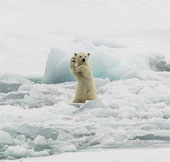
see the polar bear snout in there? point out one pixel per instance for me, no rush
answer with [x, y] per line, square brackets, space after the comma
[83, 60]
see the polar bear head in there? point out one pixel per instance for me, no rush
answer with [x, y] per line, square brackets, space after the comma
[81, 58]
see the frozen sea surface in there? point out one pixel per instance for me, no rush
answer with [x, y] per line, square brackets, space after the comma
[111, 155]
[39, 119]
[130, 57]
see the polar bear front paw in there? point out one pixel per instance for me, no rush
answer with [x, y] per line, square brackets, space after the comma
[73, 62]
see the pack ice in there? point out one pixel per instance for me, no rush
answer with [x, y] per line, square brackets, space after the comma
[39, 119]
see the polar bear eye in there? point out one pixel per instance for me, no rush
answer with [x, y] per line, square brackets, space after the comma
[85, 56]
[80, 56]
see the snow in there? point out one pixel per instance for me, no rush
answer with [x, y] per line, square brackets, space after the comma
[130, 58]
[114, 155]
[27, 37]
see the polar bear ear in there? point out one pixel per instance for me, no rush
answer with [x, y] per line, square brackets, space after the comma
[75, 54]
[88, 54]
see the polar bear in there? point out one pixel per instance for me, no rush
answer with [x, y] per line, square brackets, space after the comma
[82, 72]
